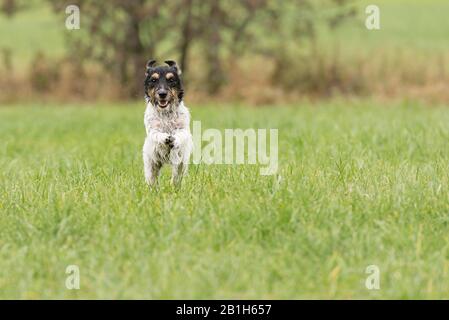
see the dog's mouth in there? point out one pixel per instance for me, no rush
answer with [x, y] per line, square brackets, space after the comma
[162, 103]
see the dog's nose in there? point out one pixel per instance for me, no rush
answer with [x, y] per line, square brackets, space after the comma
[162, 94]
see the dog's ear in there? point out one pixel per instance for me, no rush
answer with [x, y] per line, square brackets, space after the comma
[173, 64]
[150, 65]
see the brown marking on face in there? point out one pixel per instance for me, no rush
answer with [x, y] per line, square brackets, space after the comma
[173, 94]
[155, 76]
[152, 93]
[169, 75]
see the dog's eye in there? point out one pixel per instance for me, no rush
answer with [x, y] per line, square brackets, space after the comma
[153, 80]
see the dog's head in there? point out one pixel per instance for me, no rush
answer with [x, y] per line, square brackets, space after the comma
[163, 86]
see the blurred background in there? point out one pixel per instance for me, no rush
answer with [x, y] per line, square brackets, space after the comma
[252, 52]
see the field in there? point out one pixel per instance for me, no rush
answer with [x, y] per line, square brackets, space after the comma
[358, 184]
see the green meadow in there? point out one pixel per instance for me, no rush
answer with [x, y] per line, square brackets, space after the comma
[358, 184]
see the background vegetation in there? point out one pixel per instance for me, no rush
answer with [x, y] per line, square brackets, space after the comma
[262, 52]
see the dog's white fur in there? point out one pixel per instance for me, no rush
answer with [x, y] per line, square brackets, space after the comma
[161, 124]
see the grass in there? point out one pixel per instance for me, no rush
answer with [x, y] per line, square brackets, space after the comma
[357, 185]
[35, 29]
[416, 26]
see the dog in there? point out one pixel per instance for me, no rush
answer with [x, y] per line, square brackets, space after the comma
[167, 123]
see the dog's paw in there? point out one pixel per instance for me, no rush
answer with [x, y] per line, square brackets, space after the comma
[170, 141]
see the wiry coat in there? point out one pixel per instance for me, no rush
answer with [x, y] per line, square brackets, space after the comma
[168, 140]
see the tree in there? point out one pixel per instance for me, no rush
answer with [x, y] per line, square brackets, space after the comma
[9, 7]
[119, 35]
[122, 34]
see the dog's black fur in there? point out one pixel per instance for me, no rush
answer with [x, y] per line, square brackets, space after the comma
[163, 84]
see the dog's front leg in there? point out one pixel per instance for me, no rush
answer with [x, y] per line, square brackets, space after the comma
[151, 161]
[159, 138]
[178, 171]
[180, 154]
[181, 139]
[152, 170]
